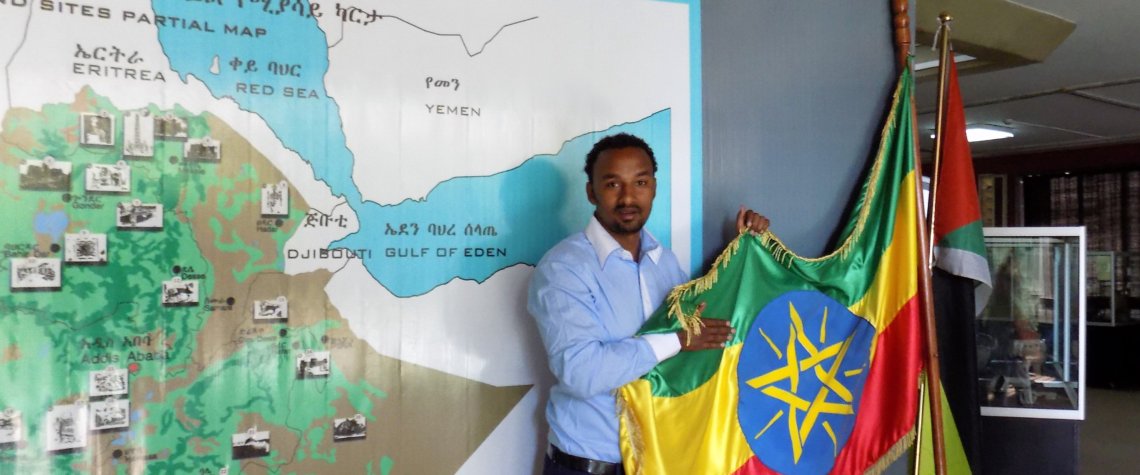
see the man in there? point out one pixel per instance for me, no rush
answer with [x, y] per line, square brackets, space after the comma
[590, 294]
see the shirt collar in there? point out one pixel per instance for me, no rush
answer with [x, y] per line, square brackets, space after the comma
[604, 244]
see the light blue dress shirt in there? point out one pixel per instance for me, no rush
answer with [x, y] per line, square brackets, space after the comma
[589, 296]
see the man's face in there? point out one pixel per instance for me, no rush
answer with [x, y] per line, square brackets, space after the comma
[622, 190]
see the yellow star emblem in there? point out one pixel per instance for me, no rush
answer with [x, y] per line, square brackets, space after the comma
[811, 362]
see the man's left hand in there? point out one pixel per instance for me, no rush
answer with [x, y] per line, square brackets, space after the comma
[751, 221]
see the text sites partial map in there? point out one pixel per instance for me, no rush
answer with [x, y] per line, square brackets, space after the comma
[283, 236]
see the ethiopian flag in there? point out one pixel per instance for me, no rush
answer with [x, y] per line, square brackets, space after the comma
[822, 375]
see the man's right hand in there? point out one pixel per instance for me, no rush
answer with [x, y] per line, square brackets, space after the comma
[714, 334]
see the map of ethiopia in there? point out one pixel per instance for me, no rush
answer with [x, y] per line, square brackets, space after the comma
[289, 236]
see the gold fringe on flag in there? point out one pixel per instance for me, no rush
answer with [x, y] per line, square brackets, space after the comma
[896, 451]
[630, 432]
[903, 444]
[691, 322]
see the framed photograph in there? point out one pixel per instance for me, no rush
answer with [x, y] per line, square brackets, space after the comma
[138, 215]
[11, 426]
[35, 273]
[97, 129]
[275, 199]
[992, 200]
[66, 427]
[250, 444]
[111, 381]
[47, 174]
[170, 127]
[178, 292]
[108, 178]
[85, 247]
[274, 309]
[204, 149]
[110, 414]
[313, 364]
[138, 134]
[348, 428]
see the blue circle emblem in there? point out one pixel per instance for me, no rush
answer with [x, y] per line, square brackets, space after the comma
[801, 374]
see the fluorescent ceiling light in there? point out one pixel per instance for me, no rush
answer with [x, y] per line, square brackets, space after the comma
[982, 134]
[958, 58]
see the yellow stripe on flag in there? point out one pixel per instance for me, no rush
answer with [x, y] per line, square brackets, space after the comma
[710, 407]
[895, 283]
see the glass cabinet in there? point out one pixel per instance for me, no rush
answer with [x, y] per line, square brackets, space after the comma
[1031, 339]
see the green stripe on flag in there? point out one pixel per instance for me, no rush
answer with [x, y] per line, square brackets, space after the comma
[968, 237]
[755, 270]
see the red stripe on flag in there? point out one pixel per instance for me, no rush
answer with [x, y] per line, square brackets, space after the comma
[889, 405]
[957, 194]
[754, 467]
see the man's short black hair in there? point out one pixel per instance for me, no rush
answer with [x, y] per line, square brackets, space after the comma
[616, 141]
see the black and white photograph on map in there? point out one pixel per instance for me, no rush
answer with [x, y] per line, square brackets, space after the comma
[170, 127]
[275, 199]
[66, 427]
[107, 178]
[110, 381]
[85, 247]
[204, 149]
[251, 443]
[48, 174]
[313, 364]
[138, 134]
[110, 414]
[97, 129]
[11, 427]
[355, 427]
[179, 292]
[272, 309]
[139, 215]
[35, 273]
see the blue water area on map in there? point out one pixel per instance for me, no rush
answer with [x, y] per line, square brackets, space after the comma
[309, 126]
[53, 224]
[530, 207]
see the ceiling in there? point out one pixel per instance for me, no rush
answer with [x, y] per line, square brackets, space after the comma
[1059, 74]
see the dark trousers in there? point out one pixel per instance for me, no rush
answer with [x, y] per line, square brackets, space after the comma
[551, 468]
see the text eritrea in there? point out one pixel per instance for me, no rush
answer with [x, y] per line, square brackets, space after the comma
[113, 62]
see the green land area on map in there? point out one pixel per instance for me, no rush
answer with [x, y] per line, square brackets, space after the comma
[199, 372]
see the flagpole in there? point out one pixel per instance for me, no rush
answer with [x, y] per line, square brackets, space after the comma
[901, 22]
[944, 20]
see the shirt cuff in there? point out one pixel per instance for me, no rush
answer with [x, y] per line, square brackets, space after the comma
[664, 345]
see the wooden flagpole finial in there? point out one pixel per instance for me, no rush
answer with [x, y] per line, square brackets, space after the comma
[901, 12]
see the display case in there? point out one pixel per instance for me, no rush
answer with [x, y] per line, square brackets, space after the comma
[1031, 339]
[1112, 288]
